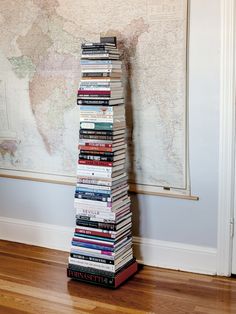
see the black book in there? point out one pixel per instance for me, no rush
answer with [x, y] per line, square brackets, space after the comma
[100, 102]
[108, 40]
[101, 132]
[96, 158]
[91, 152]
[99, 51]
[104, 44]
[92, 258]
[99, 74]
[100, 48]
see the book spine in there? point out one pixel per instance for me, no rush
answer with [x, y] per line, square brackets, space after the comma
[100, 102]
[95, 219]
[96, 153]
[96, 126]
[94, 92]
[91, 181]
[93, 246]
[91, 187]
[87, 250]
[96, 74]
[100, 174]
[91, 278]
[95, 52]
[85, 263]
[93, 159]
[92, 259]
[92, 144]
[95, 163]
[96, 233]
[95, 62]
[97, 137]
[91, 132]
[95, 224]
[95, 215]
[99, 84]
[93, 190]
[100, 110]
[97, 87]
[91, 270]
[92, 196]
[97, 71]
[95, 148]
[99, 119]
[99, 55]
[93, 169]
[95, 96]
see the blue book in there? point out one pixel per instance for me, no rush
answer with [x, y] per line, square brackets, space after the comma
[105, 192]
[93, 246]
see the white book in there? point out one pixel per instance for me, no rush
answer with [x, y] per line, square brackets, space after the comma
[102, 120]
[96, 265]
[103, 70]
[98, 214]
[95, 67]
[96, 172]
[106, 206]
[87, 83]
[99, 205]
[90, 174]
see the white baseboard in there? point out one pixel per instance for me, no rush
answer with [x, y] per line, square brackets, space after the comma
[150, 252]
[36, 233]
[178, 256]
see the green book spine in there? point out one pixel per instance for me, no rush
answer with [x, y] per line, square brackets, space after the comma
[96, 125]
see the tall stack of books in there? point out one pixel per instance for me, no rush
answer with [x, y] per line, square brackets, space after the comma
[101, 251]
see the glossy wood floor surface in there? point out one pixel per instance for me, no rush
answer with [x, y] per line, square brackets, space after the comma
[33, 280]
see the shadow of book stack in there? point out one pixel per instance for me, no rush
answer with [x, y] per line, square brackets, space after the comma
[101, 251]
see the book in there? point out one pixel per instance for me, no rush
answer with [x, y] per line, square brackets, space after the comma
[102, 125]
[102, 216]
[108, 40]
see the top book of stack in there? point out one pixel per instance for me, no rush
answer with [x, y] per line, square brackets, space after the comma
[99, 51]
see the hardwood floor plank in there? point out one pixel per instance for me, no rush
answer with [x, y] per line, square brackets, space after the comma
[28, 304]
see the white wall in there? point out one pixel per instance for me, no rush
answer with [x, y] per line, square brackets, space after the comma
[184, 221]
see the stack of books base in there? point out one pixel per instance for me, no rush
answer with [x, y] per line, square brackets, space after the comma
[109, 280]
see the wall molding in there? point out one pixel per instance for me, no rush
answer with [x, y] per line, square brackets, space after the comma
[150, 252]
[227, 138]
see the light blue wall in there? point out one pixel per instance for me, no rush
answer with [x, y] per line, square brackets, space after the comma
[156, 217]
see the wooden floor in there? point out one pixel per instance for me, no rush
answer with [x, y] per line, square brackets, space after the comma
[33, 280]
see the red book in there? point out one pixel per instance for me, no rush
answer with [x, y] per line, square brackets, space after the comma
[97, 144]
[95, 233]
[97, 148]
[94, 92]
[95, 163]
